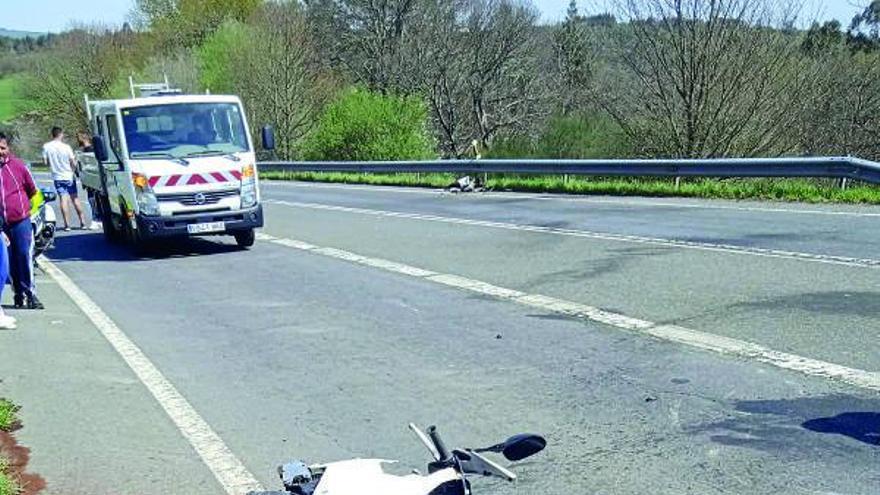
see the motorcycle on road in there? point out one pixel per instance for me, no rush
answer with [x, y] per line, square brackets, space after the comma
[448, 473]
[43, 221]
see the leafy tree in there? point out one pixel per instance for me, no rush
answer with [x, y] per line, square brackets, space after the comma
[218, 54]
[188, 22]
[363, 125]
[864, 31]
[573, 59]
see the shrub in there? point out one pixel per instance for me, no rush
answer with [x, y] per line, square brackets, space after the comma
[361, 125]
[577, 136]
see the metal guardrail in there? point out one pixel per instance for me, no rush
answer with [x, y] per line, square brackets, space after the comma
[829, 167]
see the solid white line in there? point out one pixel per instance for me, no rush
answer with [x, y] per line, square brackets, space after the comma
[229, 471]
[671, 243]
[576, 199]
[672, 333]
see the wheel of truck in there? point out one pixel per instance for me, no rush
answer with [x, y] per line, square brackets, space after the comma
[132, 237]
[245, 238]
[111, 233]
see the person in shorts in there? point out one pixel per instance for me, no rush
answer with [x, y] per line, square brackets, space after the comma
[84, 141]
[59, 156]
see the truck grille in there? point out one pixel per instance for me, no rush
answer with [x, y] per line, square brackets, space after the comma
[199, 198]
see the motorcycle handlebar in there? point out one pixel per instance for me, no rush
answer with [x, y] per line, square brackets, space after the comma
[438, 444]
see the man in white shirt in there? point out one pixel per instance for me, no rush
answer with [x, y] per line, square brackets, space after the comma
[61, 161]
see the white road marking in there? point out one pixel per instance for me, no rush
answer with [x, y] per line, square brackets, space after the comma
[671, 333]
[576, 199]
[671, 243]
[229, 471]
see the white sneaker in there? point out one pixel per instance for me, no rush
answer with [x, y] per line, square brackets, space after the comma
[7, 322]
[95, 226]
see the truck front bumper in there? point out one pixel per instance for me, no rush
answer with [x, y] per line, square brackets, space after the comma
[177, 226]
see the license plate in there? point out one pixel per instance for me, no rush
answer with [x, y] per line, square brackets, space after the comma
[204, 228]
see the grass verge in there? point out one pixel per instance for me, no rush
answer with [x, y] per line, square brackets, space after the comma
[7, 486]
[7, 421]
[799, 190]
[7, 415]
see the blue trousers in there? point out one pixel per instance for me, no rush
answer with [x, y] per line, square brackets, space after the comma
[21, 257]
[4, 268]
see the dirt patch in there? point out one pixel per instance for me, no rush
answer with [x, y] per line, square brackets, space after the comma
[18, 457]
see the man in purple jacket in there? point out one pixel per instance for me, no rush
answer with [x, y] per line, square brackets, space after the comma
[16, 189]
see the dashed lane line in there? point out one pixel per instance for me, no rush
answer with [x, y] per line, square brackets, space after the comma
[671, 333]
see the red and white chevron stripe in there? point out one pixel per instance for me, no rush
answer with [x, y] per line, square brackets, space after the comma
[194, 179]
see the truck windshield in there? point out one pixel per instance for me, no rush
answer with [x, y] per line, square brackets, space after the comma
[183, 130]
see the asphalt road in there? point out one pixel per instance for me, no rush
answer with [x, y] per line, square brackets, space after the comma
[288, 353]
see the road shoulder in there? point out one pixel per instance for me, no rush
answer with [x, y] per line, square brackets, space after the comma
[73, 386]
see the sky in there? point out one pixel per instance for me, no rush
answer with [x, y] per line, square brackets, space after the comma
[57, 15]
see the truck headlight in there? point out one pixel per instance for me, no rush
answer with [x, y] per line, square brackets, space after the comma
[147, 203]
[248, 194]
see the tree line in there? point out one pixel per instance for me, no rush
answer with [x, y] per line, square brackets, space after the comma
[395, 79]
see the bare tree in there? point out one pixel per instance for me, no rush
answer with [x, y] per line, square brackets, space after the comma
[365, 36]
[277, 78]
[843, 115]
[709, 77]
[476, 63]
[87, 60]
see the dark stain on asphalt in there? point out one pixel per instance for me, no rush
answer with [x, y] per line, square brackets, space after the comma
[595, 268]
[791, 425]
[759, 239]
[864, 304]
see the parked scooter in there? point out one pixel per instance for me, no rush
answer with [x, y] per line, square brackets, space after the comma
[447, 474]
[43, 221]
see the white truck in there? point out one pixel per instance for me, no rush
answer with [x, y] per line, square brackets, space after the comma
[172, 165]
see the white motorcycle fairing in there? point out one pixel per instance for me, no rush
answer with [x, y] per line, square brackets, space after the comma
[366, 477]
[50, 214]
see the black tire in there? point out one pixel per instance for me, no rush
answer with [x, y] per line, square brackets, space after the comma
[111, 233]
[132, 237]
[245, 238]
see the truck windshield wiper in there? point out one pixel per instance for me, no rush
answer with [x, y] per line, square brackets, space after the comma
[227, 154]
[151, 154]
[204, 153]
[158, 154]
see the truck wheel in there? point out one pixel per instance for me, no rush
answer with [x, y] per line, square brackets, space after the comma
[245, 238]
[111, 233]
[134, 239]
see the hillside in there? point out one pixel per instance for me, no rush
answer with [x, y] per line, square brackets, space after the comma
[10, 33]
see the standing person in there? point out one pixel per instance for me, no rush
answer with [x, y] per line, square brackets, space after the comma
[16, 190]
[6, 322]
[84, 141]
[59, 156]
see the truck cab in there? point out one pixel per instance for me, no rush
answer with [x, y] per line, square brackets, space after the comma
[173, 166]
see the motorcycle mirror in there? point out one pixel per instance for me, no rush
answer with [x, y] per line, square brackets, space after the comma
[48, 195]
[518, 447]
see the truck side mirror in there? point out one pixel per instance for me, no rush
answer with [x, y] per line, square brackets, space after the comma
[268, 138]
[100, 149]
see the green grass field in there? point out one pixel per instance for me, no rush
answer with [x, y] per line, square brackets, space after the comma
[801, 190]
[11, 102]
